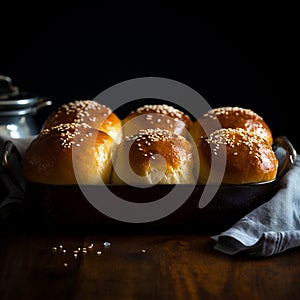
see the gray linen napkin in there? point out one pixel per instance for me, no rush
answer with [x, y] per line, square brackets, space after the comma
[12, 184]
[271, 228]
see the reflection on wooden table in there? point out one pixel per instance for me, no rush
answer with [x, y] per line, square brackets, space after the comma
[138, 266]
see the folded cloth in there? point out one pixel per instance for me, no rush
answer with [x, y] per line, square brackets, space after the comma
[271, 228]
[11, 180]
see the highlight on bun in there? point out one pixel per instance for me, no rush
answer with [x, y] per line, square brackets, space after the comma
[154, 156]
[249, 157]
[162, 116]
[50, 156]
[90, 112]
[231, 117]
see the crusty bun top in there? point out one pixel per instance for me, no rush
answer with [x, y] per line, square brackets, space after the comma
[90, 112]
[50, 158]
[152, 152]
[154, 116]
[232, 117]
[249, 157]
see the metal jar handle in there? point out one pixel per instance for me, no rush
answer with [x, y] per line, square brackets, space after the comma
[6, 84]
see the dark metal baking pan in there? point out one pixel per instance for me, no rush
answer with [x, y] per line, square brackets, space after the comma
[64, 207]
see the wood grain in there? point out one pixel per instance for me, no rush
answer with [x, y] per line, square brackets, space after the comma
[139, 266]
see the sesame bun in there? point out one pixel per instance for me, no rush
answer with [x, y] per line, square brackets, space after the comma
[231, 117]
[49, 158]
[154, 156]
[154, 116]
[96, 115]
[249, 157]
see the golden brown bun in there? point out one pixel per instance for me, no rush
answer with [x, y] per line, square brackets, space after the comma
[249, 157]
[154, 156]
[157, 116]
[48, 159]
[231, 117]
[90, 112]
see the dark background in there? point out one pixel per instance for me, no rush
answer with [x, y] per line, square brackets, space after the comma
[239, 55]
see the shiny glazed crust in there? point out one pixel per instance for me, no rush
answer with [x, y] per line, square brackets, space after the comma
[90, 112]
[55, 153]
[231, 117]
[249, 157]
[154, 156]
[160, 116]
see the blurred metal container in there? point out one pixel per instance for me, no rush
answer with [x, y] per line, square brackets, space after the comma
[17, 110]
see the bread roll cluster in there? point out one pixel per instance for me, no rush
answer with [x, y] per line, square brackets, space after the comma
[75, 145]
[154, 144]
[155, 148]
[240, 137]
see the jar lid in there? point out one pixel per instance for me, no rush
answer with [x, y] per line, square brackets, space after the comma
[11, 97]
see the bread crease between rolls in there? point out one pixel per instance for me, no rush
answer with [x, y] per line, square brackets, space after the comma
[155, 116]
[88, 112]
[231, 117]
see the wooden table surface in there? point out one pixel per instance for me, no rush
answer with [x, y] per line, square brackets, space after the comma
[37, 265]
